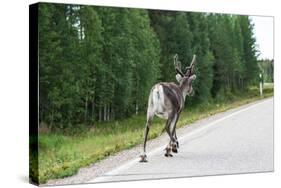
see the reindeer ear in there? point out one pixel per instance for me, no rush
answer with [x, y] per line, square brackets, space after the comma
[193, 77]
[179, 78]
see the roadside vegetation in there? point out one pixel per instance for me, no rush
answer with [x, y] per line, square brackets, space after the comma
[99, 63]
[62, 153]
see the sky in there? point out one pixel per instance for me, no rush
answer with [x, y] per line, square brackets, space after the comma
[263, 31]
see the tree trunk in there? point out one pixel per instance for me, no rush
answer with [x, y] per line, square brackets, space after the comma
[52, 118]
[233, 81]
[86, 109]
[93, 110]
[137, 108]
[111, 114]
[104, 113]
[228, 82]
[238, 82]
[100, 113]
[108, 112]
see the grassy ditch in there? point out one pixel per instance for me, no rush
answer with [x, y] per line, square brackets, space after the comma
[62, 154]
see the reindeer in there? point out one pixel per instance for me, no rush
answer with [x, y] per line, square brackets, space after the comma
[166, 100]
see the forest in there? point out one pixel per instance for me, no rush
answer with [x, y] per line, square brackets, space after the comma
[98, 64]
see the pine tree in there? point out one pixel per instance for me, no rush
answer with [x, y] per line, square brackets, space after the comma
[175, 36]
[99, 63]
[91, 48]
[204, 62]
[249, 50]
[145, 58]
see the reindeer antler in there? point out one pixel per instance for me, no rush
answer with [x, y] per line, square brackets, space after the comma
[190, 70]
[177, 65]
[193, 61]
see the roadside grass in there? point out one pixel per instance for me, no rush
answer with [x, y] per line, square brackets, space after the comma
[268, 85]
[61, 154]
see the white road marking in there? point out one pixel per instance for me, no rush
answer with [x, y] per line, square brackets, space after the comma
[182, 139]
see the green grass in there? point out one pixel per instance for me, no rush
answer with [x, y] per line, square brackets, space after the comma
[61, 154]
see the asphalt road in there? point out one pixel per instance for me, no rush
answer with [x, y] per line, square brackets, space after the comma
[238, 142]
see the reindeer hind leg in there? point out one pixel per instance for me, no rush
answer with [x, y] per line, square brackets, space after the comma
[174, 141]
[143, 156]
[168, 129]
[146, 131]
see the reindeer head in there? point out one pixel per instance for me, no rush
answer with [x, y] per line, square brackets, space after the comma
[185, 79]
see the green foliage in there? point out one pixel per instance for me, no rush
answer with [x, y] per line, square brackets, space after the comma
[266, 69]
[205, 59]
[95, 63]
[175, 36]
[233, 46]
[249, 50]
[99, 63]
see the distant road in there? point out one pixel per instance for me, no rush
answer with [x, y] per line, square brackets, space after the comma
[240, 141]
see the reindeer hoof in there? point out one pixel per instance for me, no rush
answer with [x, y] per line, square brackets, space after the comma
[168, 155]
[175, 150]
[143, 159]
[168, 152]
